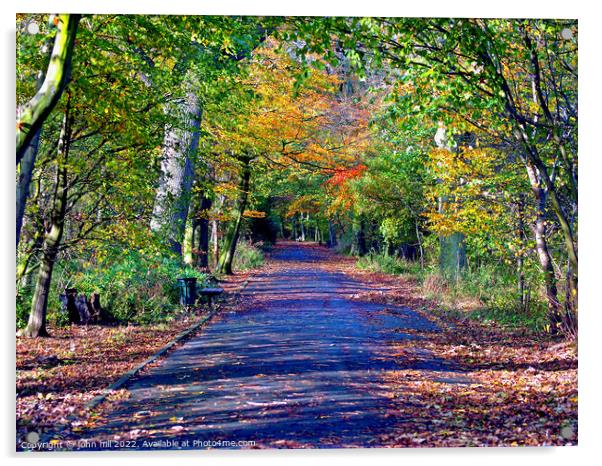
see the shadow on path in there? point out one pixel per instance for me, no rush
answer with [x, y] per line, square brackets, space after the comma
[300, 365]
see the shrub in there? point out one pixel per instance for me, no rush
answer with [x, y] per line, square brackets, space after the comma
[248, 256]
[133, 288]
[487, 293]
[391, 265]
[138, 288]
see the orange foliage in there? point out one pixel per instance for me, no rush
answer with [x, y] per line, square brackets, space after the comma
[343, 175]
[253, 214]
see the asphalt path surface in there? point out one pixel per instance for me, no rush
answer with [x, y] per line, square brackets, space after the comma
[298, 364]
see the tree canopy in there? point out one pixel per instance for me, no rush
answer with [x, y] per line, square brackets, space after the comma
[451, 142]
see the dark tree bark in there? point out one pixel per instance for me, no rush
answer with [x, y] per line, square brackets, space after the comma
[543, 251]
[332, 238]
[302, 224]
[225, 262]
[24, 180]
[201, 258]
[359, 236]
[36, 326]
[68, 305]
[26, 167]
[215, 241]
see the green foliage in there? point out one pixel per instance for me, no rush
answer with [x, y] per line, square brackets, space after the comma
[495, 287]
[137, 288]
[23, 304]
[392, 265]
[342, 142]
[397, 230]
[133, 288]
[507, 314]
[485, 293]
[248, 256]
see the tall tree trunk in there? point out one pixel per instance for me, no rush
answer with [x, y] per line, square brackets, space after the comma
[547, 267]
[532, 153]
[551, 191]
[331, 234]
[31, 246]
[520, 261]
[36, 326]
[180, 143]
[420, 247]
[570, 303]
[215, 234]
[452, 255]
[302, 224]
[202, 247]
[188, 243]
[32, 115]
[24, 181]
[359, 236]
[452, 248]
[26, 167]
[227, 257]
[543, 252]
[215, 241]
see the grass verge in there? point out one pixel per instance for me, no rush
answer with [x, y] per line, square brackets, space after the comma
[487, 294]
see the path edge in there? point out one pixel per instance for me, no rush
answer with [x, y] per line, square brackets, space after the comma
[126, 377]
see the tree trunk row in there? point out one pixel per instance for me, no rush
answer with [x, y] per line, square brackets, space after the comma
[225, 261]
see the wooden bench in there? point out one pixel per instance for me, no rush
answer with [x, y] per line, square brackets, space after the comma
[210, 293]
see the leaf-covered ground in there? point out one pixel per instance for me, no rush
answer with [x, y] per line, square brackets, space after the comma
[522, 390]
[459, 383]
[296, 364]
[57, 376]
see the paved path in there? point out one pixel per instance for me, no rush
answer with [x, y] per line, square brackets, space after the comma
[299, 365]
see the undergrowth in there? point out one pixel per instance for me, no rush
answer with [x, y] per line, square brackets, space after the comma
[488, 293]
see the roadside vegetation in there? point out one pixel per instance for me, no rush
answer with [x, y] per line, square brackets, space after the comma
[485, 294]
